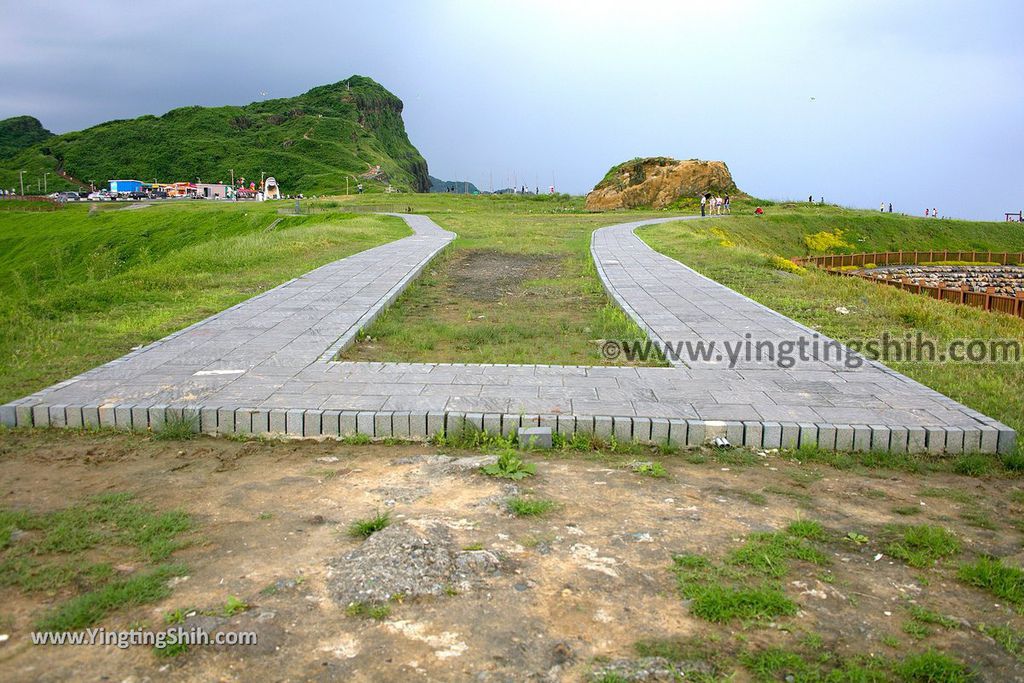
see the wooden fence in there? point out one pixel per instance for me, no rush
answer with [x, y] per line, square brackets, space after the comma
[988, 300]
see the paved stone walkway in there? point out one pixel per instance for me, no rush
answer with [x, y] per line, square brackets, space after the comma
[265, 366]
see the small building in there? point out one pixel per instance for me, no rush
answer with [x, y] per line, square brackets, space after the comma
[213, 190]
[125, 185]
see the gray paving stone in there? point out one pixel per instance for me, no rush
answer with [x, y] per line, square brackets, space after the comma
[827, 437]
[695, 432]
[293, 421]
[898, 439]
[277, 349]
[790, 434]
[330, 425]
[844, 437]
[622, 429]
[677, 433]
[771, 435]
[880, 436]
[474, 421]
[510, 424]
[861, 438]
[808, 435]
[312, 423]
[400, 424]
[935, 439]
[91, 417]
[603, 427]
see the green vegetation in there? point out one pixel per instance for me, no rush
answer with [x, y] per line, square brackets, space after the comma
[921, 545]
[79, 289]
[518, 285]
[364, 528]
[529, 507]
[745, 585]
[990, 574]
[57, 553]
[510, 466]
[812, 297]
[371, 610]
[178, 429]
[311, 143]
[650, 469]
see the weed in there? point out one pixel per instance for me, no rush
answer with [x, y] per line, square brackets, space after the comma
[356, 439]
[954, 495]
[650, 469]
[907, 510]
[932, 667]
[378, 611]
[233, 606]
[922, 545]
[265, 516]
[509, 466]
[807, 529]
[989, 573]
[978, 518]
[529, 507]
[171, 649]
[473, 546]
[1009, 638]
[178, 428]
[972, 464]
[768, 553]
[364, 528]
[857, 538]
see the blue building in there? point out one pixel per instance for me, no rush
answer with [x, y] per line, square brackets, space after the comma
[125, 185]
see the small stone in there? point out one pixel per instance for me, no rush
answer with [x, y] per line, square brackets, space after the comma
[328, 459]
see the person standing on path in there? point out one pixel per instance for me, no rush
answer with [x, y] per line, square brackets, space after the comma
[881, 207]
[935, 212]
[703, 204]
[890, 207]
[728, 209]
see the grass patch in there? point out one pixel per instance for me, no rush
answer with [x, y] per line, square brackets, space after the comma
[529, 507]
[649, 469]
[921, 545]
[370, 610]
[990, 574]
[88, 609]
[364, 528]
[177, 428]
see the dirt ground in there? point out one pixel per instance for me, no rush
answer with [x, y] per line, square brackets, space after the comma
[576, 587]
[484, 275]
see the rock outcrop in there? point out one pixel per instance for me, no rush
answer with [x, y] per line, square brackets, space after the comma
[657, 182]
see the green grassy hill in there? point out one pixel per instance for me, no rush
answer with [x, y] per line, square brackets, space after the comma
[310, 143]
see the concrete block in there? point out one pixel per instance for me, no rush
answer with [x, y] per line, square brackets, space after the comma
[364, 423]
[510, 424]
[123, 416]
[827, 437]
[790, 435]
[261, 421]
[293, 421]
[844, 438]
[278, 421]
[584, 425]
[772, 435]
[435, 423]
[603, 426]
[192, 415]
[734, 432]
[880, 436]
[972, 440]
[225, 420]
[41, 415]
[91, 416]
[207, 420]
[24, 414]
[549, 421]
[534, 437]
[382, 425]
[861, 438]
[243, 420]
[695, 431]
[677, 433]
[475, 421]
[400, 424]
[753, 432]
[348, 422]
[73, 415]
[916, 440]
[1007, 442]
[8, 415]
[157, 416]
[312, 423]
[808, 435]
[492, 423]
[567, 425]
[642, 429]
[418, 425]
[660, 430]
[935, 439]
[330, 423]
[954, 440]
[622, 429]
[58, 415]
[989, 438]
[898, 439]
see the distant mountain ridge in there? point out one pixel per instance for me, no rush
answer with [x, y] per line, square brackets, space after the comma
[311, 143]
[460, 186]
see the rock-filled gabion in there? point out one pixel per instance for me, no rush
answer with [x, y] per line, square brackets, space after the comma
[1006, 280]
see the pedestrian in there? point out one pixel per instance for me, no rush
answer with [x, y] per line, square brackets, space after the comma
[810, 199]
[935, 212]
[703, 204]
[728, 208]
[890, 207]
[881, 207]
[926, 213]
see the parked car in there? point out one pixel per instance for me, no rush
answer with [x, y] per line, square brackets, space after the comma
[158, 194]
[68, 196]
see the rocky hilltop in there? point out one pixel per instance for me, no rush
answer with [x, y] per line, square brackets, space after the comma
[311, 143]
[657, 182]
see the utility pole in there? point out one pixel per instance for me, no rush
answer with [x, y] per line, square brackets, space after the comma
[45, 188]
[21, 179]
[232, 177]
[92, 184]
[346, 186]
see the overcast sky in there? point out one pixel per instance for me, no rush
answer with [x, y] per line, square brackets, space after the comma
[917, 103]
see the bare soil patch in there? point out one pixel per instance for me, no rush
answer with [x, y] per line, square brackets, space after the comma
[486, 275]
[551, 597]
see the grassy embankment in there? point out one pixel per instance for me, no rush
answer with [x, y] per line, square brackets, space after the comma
[743, 252]
[517, 286]
[79, 288]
